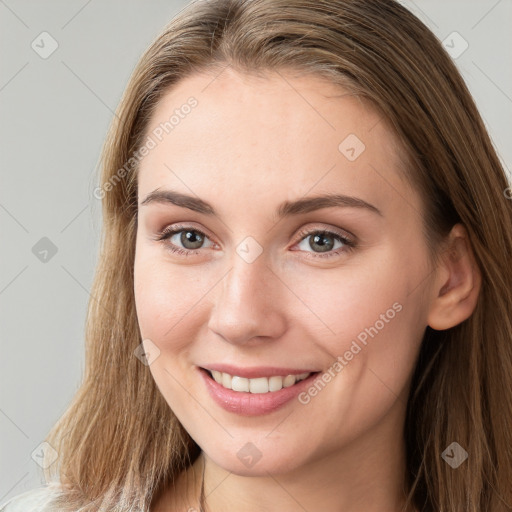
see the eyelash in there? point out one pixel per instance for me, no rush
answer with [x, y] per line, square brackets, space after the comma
[169, 232]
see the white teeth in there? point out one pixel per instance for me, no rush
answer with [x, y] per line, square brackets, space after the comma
[226, 380]
[238, 383]
[275, 383]
[257, 385]
[288, 381]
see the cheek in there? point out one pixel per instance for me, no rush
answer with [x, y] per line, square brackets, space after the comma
[168, 314]
[372, 344]
[370, 322]
[166, 299]
[341, 303]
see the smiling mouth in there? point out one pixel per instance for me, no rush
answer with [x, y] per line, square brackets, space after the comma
[257, 385]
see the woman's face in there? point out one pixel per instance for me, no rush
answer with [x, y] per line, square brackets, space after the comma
[268, 282]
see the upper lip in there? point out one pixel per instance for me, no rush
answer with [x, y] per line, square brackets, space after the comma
[255, 371]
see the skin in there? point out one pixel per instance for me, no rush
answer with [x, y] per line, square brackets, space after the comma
[250, 144]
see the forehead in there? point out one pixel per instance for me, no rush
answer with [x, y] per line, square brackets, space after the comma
[279, 133]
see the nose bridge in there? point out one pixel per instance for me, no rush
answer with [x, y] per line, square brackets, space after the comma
[246, 305]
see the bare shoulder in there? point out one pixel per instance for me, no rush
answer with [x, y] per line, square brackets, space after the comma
[34, 500]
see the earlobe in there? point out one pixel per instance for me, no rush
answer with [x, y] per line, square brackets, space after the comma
[457, 282]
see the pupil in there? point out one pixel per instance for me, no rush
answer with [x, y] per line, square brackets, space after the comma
[323, 241]
[191, 237]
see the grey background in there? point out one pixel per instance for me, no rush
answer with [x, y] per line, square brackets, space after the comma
[54, 115]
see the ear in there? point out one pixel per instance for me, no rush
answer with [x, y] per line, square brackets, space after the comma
[457, 283]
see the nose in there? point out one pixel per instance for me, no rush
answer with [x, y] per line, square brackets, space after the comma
[247, 306]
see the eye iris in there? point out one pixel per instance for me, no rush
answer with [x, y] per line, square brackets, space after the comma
[323, 241]
[191, 237]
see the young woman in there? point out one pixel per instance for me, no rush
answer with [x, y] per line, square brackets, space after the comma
[303, 299]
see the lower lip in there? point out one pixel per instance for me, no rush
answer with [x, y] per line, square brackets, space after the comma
[253, 404]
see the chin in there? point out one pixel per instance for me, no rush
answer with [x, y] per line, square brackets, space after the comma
[254, 459]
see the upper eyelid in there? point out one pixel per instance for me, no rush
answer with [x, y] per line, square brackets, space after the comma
[344, 233]
[169, 231]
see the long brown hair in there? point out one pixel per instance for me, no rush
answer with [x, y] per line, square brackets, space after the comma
[119, 443]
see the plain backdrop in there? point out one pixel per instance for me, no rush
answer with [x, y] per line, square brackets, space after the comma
[54, 111]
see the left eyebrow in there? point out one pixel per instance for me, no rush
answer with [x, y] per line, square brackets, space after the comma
[285, 209]
[309, 204]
